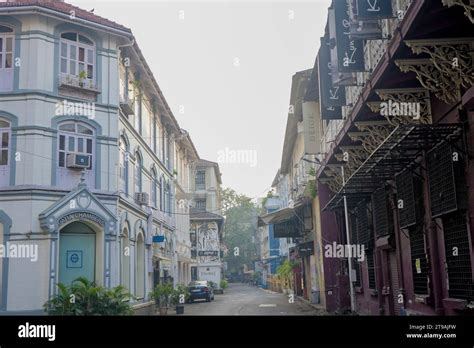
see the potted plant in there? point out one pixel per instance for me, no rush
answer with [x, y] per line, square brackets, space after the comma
[82, 77]
[181, 295]
[224, 285]
[162, 295]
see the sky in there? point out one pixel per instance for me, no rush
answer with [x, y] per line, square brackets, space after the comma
[225, 69]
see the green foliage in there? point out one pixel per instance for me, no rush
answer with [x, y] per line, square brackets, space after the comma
[83, 297]
[82, 75]
[285, 271]
[240, 227]
[163, 294]
[180, 290]
[224, 284]
[265, 200]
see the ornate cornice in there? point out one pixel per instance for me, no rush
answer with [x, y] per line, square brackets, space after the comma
[467, 5]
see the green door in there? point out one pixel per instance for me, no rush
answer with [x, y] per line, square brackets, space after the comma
[76, 253]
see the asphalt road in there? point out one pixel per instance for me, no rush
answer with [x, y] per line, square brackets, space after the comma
[242, 299]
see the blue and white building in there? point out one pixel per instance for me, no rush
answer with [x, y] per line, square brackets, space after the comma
[87, 158]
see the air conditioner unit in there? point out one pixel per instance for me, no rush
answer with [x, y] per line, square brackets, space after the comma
[77, 161]
[141, 198]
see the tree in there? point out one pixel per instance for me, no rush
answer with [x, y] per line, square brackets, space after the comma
[239, 230]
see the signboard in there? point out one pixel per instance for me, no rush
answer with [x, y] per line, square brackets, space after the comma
[312, 128]
[332, 97]
[350, 52]
[208, 253]
[158, 239]
[74, 259]
[369, 9]
[79, 216]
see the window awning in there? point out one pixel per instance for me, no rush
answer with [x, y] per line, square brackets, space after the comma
[278, 216]
[399, 150]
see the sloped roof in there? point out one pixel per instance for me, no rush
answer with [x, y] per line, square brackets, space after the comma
[65, 8]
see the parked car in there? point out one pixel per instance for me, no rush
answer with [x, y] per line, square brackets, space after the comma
[201, 289]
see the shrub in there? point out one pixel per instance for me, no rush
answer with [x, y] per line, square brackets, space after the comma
[224, 284]
[84, 297]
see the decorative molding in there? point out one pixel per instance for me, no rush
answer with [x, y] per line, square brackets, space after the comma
[334, 174]
[407, 95]
[445, 87]
[467, 5]
[452, 57]
[377, 131]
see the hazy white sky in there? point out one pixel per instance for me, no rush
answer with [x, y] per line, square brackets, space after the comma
[228, 66]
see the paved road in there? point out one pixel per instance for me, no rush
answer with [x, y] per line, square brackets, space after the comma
[242, 299]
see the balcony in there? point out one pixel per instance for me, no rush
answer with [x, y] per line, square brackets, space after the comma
[126, 105]
[75, 86]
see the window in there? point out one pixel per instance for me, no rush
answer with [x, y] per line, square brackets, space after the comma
[6, 58]
[75, 138]
[154, 140]
[201, 179]
[167, 198]
[77, 56]
[154, 188]
[138, 113]
[201, 204]
[123, 169]
[4, 142]
[6, 47]
[138, 173]
[160, 193]
[140, 266]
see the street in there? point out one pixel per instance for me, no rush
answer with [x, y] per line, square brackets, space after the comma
[243, 299]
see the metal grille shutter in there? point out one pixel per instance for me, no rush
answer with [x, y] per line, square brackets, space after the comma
[409, 191]
[442, 184]
[381, 214]
[363, 232]
[419, 268]
[394, 281]
[371, 268]
[460, 281]
[356, 267]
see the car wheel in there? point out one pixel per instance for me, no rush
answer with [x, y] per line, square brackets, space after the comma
[208, 299]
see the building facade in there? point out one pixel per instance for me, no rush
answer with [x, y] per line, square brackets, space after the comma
[207, 223]
[92, 152]
[397, 172]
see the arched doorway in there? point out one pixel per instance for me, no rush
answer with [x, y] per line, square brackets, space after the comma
[77, 253]
[125, 259]
[140, 266]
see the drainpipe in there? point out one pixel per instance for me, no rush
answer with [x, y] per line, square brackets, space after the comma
[349, 261]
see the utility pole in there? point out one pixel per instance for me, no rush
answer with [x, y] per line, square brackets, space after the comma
[349, 258]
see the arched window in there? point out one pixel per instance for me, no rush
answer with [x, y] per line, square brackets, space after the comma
[154, 188]
[160, 193]
[167, 198]
[138, 172]
[123, 169]
[75, 138]
[6, 58]
[5, 149]
[77, 56]
[140, 266]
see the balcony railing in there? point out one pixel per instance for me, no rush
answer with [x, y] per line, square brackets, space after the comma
[77, 83]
